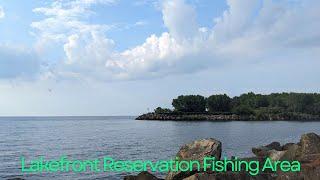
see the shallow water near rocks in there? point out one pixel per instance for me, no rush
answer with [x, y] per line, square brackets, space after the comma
[124, 138]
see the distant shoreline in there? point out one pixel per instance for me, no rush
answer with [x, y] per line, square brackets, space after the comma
[246, 107]
[227, 117]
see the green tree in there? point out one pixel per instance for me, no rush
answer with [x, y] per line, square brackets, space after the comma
[278, 100]
[243, 110]
[189, 103]
[261, 101]
[248, 99]
[219, 103]
[316, 109]
[160, 110]
[298, 102]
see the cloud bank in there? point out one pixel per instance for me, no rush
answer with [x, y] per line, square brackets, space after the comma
[248, 31]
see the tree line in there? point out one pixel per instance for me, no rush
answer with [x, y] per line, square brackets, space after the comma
[246, 104]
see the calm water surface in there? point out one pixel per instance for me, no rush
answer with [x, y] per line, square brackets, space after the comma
[124, 138]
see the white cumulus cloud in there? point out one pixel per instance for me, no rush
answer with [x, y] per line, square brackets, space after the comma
[84, 44]
[247, 31]
[2, 14]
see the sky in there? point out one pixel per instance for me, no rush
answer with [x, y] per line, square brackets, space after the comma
[125, 57]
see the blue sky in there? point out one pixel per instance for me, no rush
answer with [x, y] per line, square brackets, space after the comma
[125, 14]
[121, 57]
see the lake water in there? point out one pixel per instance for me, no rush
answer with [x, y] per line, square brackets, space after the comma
[123, 138]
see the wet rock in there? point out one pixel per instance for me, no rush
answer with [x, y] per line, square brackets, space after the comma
[141, 176]
[263, 151]
[197, 150]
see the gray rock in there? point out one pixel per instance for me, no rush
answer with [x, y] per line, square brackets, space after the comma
[263, 151]
[275, 155]
[197, 150]
[310, 144]
[292, 153]
[287, 146]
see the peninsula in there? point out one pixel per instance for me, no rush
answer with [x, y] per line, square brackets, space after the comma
[246, 107]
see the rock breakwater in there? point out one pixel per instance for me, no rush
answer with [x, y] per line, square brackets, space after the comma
[306, 152]
[226, 117]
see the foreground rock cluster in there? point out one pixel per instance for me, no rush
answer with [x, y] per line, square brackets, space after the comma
[306, 151]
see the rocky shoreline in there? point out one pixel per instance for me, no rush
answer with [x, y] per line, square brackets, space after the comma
[228, 117]
[306, 151]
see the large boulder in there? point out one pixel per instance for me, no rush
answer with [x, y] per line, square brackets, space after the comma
[310, 144]
[293, 152]
[196, 151]
[263, 151]
[290, 153]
